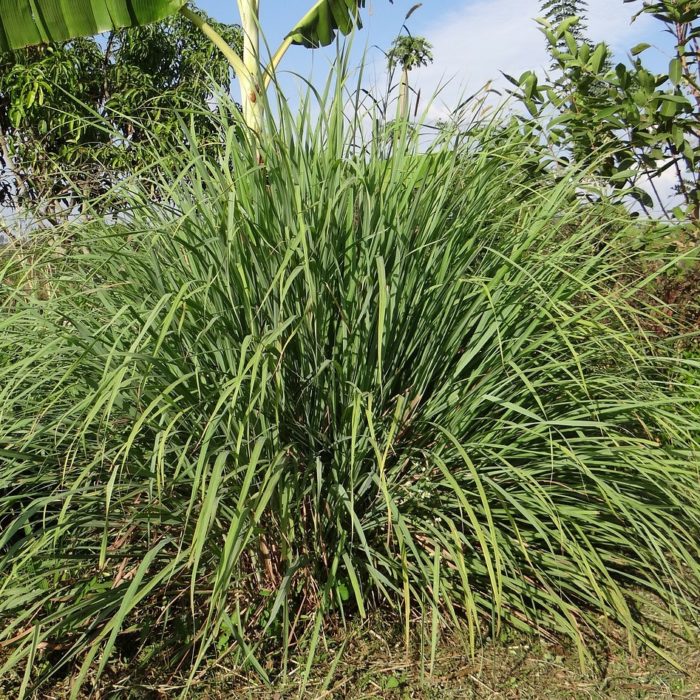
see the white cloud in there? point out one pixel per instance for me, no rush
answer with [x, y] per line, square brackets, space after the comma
[476, 40]
[480, 38]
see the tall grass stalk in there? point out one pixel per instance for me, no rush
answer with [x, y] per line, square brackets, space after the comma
[328, 374]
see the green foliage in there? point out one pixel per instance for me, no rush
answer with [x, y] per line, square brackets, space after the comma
[31, 22]
[354, 377]
[408, 52]
[324, 20]
[573, 12]
[635, 124]
[38, 22]
[78, 117]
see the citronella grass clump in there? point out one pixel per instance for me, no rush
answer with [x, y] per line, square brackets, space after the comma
[324, 376]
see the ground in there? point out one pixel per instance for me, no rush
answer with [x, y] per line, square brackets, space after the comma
[375, 665]
[521, 669]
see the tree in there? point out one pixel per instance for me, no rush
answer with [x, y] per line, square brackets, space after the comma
[76, 117]
[558, 11]
[32, 22]
[629, 124]
[406, 53]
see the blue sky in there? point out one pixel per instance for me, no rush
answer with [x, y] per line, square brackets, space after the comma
[473, 39]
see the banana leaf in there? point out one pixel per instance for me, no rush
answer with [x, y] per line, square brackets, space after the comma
[30, 22]
[327, 17]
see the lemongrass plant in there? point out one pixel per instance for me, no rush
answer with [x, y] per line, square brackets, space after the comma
[359, 377]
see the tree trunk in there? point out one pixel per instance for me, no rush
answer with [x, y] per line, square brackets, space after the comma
[251, 97]
[403, 95]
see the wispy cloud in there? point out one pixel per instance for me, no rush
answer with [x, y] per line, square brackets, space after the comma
[478, 39]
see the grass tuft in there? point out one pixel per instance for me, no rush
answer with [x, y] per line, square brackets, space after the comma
[328, 374]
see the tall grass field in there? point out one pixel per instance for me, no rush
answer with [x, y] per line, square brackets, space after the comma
[329, 373]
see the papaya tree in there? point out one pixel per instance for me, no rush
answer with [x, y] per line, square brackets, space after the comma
[31, 22]
[406, 53]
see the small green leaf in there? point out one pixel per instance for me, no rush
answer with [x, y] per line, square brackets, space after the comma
[675, 71]
[678, 136]
[566, 25]
[607, 112]
[678, 212]
[639, 48]
[623, 175]
[391, 682]
[678, 99]
[598, 57]
[689, 152]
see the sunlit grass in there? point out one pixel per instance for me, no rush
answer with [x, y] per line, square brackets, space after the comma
[327, 375]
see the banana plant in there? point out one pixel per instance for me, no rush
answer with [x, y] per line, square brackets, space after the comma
[31, 22]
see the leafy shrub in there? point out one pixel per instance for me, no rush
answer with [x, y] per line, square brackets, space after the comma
[633, 124]
[330, 376]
